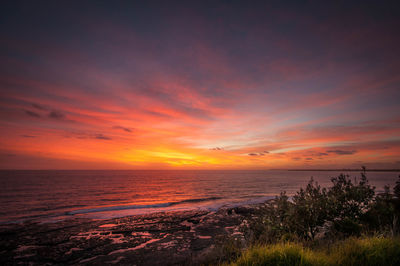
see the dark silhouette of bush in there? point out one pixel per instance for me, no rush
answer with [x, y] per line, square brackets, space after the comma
[310, 210]
[349, 202]
[385, 211]
[396, 189]
[273, 222]
[396, 206]
[348, 207]
[382, 213]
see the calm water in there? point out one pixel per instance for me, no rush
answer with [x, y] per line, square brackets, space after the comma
[54, 195]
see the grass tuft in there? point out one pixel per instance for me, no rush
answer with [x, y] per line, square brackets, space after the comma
[367, 251]
[353, 251]
[281, 254]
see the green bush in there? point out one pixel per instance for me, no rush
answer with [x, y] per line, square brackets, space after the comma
[382, 213]
[349, 202]
[348, 208]
[310, 210]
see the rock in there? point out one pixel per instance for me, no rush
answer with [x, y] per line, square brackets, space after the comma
[154, 239]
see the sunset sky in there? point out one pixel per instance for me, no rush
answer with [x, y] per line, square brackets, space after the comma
[212, 85]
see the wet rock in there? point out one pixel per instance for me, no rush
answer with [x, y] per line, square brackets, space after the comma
[154, 239]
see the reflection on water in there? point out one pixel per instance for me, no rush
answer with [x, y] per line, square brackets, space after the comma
[48, 195]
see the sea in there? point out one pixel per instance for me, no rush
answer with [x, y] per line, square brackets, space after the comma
[54, 195]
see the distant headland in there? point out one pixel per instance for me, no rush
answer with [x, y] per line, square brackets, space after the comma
[347, 170]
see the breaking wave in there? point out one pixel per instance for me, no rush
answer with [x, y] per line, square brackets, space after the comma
[150, 206]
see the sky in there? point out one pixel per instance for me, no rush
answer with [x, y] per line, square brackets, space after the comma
[199, 84]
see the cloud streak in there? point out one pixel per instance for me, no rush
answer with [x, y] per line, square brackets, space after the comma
[56, 115]
[123, 128]
[33, 114]
[248, 86]
[341, 152]
[102, 137]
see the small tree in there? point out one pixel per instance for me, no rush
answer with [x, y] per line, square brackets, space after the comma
[349, 202]
[310, 210]
[281, 215]
[396, 204]
[275, 222]
[381, 215]
[385, 211]
[396, 188]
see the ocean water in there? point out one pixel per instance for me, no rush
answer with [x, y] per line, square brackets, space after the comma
[53, 195]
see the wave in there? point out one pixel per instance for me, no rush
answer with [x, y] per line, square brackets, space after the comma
[128, 207]
[195, 200]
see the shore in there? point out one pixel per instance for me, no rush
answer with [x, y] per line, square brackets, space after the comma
[165, 238]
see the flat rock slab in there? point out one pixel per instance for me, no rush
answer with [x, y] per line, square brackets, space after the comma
[154, 239]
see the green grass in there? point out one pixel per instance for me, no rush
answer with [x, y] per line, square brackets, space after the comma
[281, 254]
[367, 251]
[362, 251]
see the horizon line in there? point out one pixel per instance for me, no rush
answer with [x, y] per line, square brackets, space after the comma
[273, 169]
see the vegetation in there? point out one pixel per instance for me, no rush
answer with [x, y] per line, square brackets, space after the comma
[345, 224]
[347, 208]
[365, 251]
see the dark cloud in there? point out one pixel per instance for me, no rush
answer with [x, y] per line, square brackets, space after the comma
[56, 115]
[28, 136]
[39, 107]
[86, 135]
[217, 149]
[33, 114]
[296, 158]
[158, 114]
[101, 136]
[123, 128]
[322, 154]
[342, 152]
[309, 159]
[256, 154]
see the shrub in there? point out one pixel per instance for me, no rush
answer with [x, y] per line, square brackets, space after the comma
[382, 213]
[272, 223]
[348, 200]
[310, 210]
[348, 208]
[396, 189]
[396, 205]
[278, 221]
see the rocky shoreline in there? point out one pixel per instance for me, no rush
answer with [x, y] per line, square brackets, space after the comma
[175, 238]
